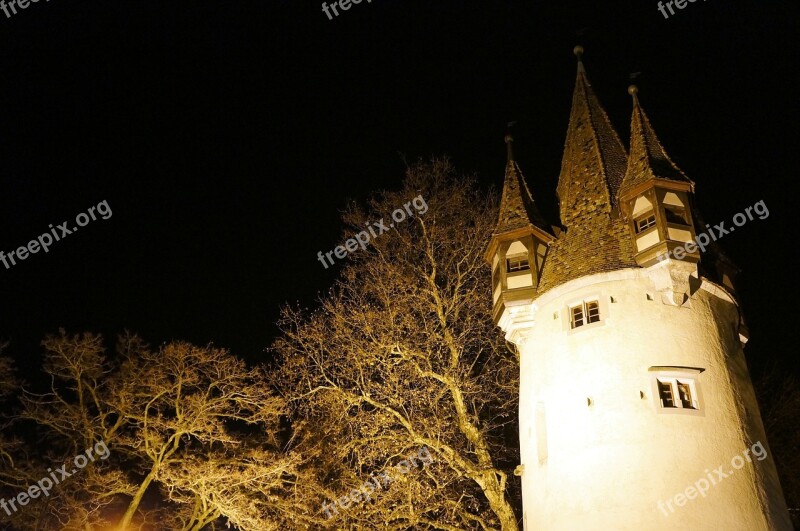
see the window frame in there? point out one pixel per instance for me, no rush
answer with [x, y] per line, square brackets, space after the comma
[674, 378]
[592, 316]
[582, 297]
[590, 311]
[518, 258]
[637, 228]
[665, 388]
[686, 388]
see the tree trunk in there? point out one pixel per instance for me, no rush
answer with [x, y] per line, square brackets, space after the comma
[137, 499]
[496, 496]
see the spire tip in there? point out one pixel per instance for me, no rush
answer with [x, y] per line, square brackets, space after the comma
[633, 90]
[578, 51]
[509, 139]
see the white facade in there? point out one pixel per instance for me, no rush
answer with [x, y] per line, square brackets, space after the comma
[598, 450]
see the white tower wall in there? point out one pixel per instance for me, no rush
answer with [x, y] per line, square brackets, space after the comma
[598, 451]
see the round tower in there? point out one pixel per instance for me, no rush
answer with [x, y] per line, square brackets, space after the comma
[636, 407]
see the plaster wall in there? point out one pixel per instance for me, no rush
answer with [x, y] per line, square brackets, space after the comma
[599, 451]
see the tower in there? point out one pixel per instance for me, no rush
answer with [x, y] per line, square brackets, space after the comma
[519, 243]
[636, 407]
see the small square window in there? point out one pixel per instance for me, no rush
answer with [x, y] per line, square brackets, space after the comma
[645, 222]
[682, 388]
[585, 313]
[517, 263]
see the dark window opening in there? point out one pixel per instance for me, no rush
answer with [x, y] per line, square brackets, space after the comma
[676, 215]
[665, 392]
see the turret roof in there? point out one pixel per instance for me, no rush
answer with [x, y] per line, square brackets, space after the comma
[593, 166]
[648, 159]
[517, 207]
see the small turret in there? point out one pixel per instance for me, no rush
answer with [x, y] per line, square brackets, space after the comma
[519, 243]
[655, 197]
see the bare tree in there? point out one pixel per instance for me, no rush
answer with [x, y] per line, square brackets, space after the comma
[67, 419]
[245, 486]
[180, 401]
[403, 354]
[191, 433]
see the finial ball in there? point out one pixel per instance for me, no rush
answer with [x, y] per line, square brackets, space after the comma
[633, 89]
[578, 50]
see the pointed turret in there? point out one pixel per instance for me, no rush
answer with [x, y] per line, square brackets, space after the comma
[647, 159]
[592, 169]
[655, 196]
[519, 243]
[517, 207]
[594, 159]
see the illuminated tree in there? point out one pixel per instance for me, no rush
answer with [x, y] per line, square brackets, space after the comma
[191, 434]
[403, 354]
[66, 420]
[203, 426]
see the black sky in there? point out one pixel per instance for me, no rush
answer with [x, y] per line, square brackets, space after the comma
[226, 137]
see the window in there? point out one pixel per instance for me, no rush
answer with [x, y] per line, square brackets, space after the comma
[584, 313]
[676, 215]
[677, 390]
[577, 316]
[592, 312]
[642, 224]
[683, 388]
[645, 222]
[665, 393]
[517, 263]
[685, 394]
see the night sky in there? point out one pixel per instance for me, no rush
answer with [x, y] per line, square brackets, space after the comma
[227, 136]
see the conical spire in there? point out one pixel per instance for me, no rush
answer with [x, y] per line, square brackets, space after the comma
[648, 159]
[594, 162]
[517, 208]
[594, 159]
